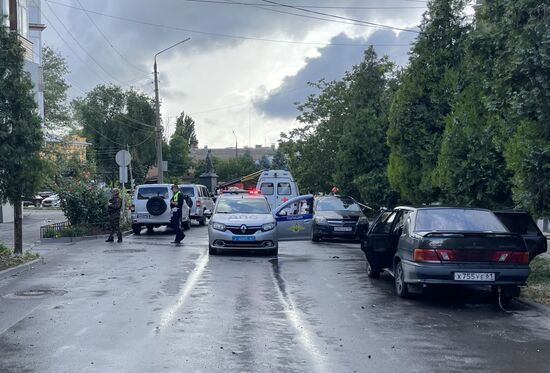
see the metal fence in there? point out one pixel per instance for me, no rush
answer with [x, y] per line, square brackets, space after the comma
[53, 230]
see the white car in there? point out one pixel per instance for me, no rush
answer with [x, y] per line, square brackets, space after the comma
[151, 208]
[278, 186]
[202, 201]
[246, 222]
[51, 201]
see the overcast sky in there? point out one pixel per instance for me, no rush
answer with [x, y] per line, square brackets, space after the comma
[244, 66]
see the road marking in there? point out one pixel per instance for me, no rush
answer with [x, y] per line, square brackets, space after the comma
[304, 335]
[168, 315]
[80, 332]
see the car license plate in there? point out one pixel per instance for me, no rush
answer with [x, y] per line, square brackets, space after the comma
[244, 238]
[343, 229]
[143, 216]
[474, 276]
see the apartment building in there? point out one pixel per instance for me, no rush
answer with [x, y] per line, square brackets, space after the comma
[25, 18]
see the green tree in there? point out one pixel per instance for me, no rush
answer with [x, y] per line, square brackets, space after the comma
[112, 120]
[185, 127]
[511, 39]
[279, 161]
[56, 109]
[362, 159]
[20, 131]
[424, 99]
[265, 164]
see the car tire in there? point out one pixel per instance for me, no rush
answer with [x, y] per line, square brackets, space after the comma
[150, 229]
[186, 225]
[202, 221]
[274, 252]
[136, 229]
[372, 272]
[212, 251]
[314, 237]
[401, 287]
[156, 206]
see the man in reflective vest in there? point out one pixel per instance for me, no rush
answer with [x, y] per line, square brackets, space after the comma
[176, 203]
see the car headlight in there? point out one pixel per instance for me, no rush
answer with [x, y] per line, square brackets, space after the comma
[268, 226]
[219, 226]
[321, 220]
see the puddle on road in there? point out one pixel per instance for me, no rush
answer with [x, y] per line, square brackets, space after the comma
[124, 251]
[35, 294]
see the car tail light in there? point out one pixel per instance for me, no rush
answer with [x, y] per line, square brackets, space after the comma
[254, 192]
[133, 208]
[446, 255]
[425, 255]
[520, 257]
[501, 256]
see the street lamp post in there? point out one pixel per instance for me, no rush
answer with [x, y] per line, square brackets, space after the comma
[160, 179]
[236, 147]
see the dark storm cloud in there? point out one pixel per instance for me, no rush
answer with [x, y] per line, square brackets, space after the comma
[333, 62]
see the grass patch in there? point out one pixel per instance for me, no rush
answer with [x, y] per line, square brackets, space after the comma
[538, 283]
[7, 259]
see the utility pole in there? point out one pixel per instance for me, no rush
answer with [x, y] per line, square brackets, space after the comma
[236, 147]
[158, 128]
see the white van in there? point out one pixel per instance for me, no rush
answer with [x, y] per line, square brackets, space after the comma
[278, 186]
[202, 201]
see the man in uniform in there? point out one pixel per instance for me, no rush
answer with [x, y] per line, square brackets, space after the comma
[176, 203]
[113, 208]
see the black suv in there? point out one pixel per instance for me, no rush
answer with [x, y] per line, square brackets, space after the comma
[446, 245]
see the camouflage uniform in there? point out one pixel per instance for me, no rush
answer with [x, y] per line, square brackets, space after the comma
[115, 204]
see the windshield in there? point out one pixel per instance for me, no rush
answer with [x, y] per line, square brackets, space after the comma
[244, 205]
[190, 191]
[457, 220]
[337, 204]
[148, 192]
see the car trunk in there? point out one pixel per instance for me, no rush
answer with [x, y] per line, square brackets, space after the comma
[474, 246]
[522, 223]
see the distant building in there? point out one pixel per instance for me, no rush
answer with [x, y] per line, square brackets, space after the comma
[256, 152]
[24, 18]
[68, 146]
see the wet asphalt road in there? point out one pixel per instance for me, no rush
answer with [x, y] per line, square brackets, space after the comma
[148, 306]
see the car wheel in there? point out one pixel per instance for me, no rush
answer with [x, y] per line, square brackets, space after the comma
[202, 221]
[274, 252]
[136, 229]
[372, 272]
[150, 229]
[212, 251]
[400, 285]
[314, 237]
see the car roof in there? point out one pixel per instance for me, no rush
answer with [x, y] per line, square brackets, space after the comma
[153, 185]
[241, 196]
[191, 185]
[438, 208]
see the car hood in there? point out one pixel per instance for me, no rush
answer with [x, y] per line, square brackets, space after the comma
[238, 219]
[348, 215]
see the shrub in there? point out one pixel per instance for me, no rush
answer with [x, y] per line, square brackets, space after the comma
[83, 202]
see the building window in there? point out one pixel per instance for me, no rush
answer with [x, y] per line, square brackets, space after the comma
[23, 18]
[4, 12]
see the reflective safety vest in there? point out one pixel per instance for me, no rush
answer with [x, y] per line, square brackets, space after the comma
[176, 196]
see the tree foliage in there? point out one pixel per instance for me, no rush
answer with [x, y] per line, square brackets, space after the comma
[113, 120]
[56, 110]
[20, 130]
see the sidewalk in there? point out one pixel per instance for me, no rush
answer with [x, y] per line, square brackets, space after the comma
[32, 221]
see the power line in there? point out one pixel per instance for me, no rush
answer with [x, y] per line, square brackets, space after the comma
[359, 7]
[366, 23]
[108, 41]
[279, 41]
[80, 45]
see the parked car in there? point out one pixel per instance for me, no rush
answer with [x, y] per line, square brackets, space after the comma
[278, 186]
[202, 201]
[522, 223]
[242, 221]
[150, 208]
[439, 245]
[35, 201]
[51, 201]
[337, 217]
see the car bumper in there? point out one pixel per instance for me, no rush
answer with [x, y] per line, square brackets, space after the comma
[329, 232]
[226, 240]
[427, 273]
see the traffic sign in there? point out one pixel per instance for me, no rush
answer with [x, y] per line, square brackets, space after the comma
[123, 158]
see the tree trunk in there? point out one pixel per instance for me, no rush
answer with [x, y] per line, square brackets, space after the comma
[18, 227]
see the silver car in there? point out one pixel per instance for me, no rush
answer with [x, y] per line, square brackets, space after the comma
[242, 222]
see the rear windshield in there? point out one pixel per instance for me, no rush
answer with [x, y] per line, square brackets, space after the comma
[267, 189]
[148, 192]
[242, 205]
[337, 204]
[190, 191]
[518, 223]
[457, 220]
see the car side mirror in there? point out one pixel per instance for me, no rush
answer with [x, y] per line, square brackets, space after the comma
[207, 213]
[282, 213]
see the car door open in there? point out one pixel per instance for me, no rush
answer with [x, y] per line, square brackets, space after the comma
[294, 219]
[379, 240]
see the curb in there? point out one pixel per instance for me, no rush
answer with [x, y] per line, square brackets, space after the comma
[18, 269]
[79, 239]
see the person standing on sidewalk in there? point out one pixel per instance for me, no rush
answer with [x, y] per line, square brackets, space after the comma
[176, 204]
[113, 209]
